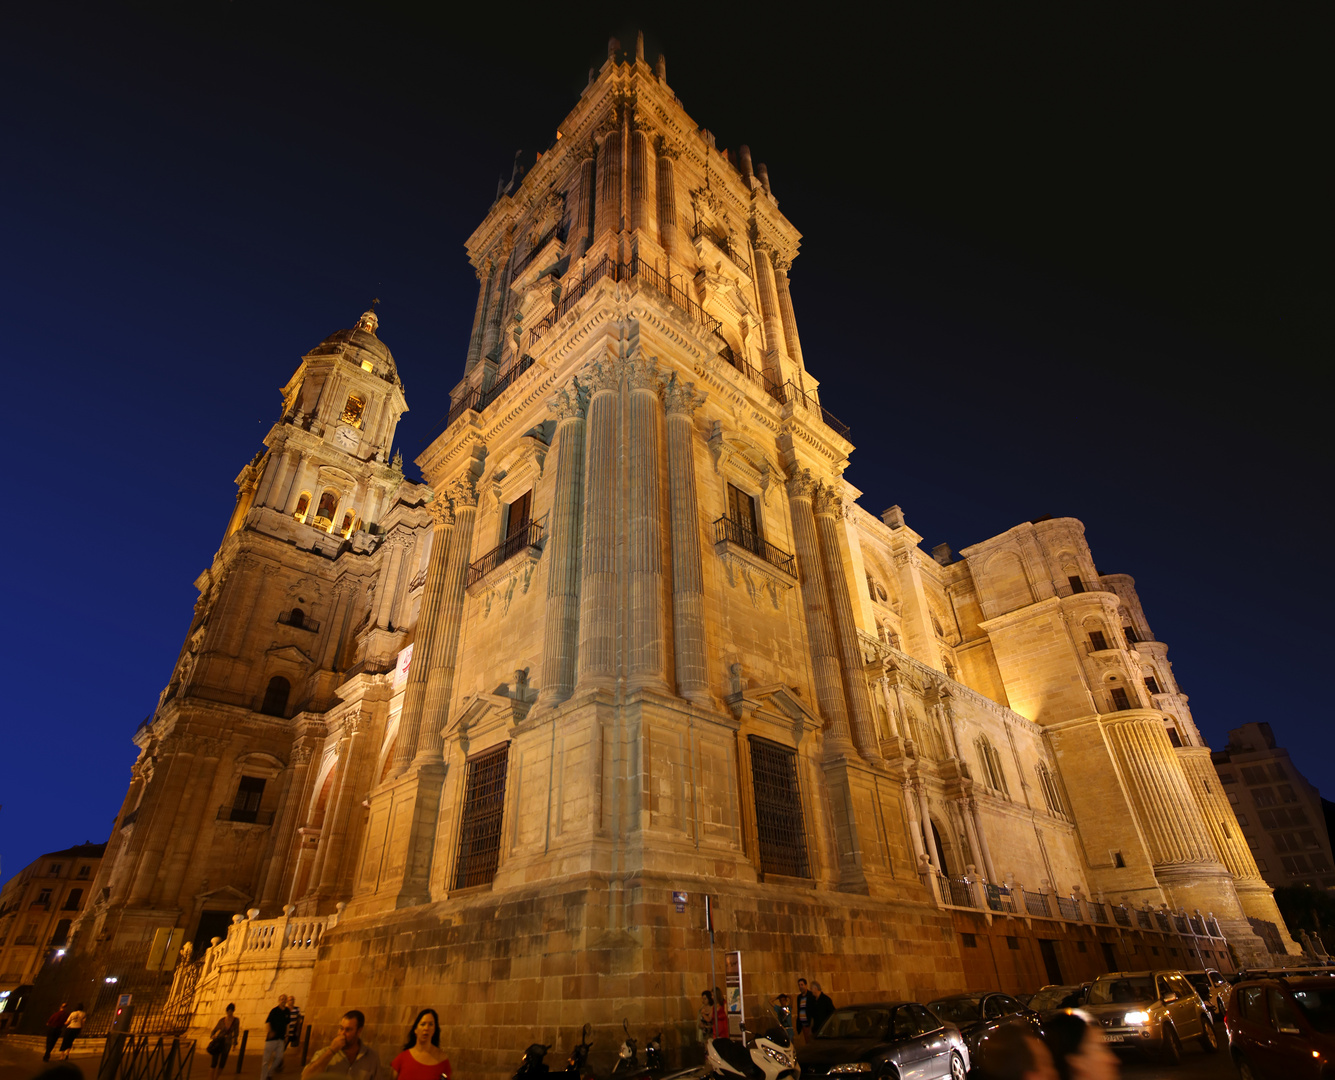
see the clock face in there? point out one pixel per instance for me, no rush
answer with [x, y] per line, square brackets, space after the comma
[346, 437]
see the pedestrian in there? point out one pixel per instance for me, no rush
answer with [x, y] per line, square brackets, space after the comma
[55, 1024]
[346, 1054]
[293, 1022]
[783, 1012]
[1013, 1053]
[275, 1038]
[803, 1010]
[73, 1025]
[283, 1001]
[819, 1007]
[720, 1016]
[421, 1057]
[1078, 1049]
[224, 1037]
[706, 1015]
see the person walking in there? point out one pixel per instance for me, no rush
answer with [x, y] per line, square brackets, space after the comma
[225, 1033]
[1013, 1053]
[1078, 1050]
[819, 1008]
[73, 1025]
[275, 1038]
[346, 1055]
[294, 1020]
[285, 1002]
[55, 1024]
[803, 1010]
[421, 1057]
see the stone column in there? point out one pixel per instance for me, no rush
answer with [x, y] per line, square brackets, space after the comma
[642, 211]
[285, 824]
[828, 509]
[598, 572]
[790, 338]
[982, 842]
[607, 216]
[667, 201]
[925, 812]
[769, 308]
[890, 707]
[820, 631]
[333, 629]
[389, 577]
[560, 636]
[644, 544]
[157, 826]
[583, 217]
[427, 634]
[355, 725]
[440, 679]
[480, 315]
[688, 584]
[971, 834]
[491, 340]
[915, 825]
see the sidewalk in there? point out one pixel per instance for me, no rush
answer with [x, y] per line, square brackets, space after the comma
[21, 1059]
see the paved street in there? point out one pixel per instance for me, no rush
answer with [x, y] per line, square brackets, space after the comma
[1196, 1065]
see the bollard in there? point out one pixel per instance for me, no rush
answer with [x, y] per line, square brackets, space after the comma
[241, 1053]
[305, 1046]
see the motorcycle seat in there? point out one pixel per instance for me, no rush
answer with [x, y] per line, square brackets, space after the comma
[734, 1054]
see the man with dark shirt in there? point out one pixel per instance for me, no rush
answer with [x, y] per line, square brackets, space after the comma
[275, 1038]
[803, 1010]
[54, 1026]
[819, 1008]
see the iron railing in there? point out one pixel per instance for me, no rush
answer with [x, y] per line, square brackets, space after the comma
[146, 1057]
[534, 250]
[480, 824]
[999, 899]
[792, 392]
[1120, 916]
[244, 816]
[477, 399]
[724, 243]
[734, 532]
[779, 825]
[1036, 903]
[1068, 908]
[305, 622]
[526, 536]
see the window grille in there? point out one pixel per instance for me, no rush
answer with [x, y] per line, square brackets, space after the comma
[480, 827]
[783, 840]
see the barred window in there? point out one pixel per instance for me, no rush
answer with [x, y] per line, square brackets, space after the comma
[1051, 795]
[783, 839]
[480, 826]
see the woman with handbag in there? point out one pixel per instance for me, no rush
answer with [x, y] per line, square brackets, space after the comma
[225, 1034]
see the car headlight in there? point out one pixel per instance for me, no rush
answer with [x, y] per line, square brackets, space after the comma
[855, 1067]
[1137, 1017]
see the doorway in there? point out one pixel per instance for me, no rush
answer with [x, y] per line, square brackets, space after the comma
[1109, 957]
[212, 924]
[1048, 948]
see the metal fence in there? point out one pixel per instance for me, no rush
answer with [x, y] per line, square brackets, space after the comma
[151, 1056]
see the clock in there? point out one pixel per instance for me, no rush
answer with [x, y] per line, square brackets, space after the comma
[346, 438]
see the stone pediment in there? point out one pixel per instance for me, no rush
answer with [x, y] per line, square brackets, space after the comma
[288, 652]
[481, 708]
[776, 699]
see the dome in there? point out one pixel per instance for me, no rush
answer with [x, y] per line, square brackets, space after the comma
[361, 345]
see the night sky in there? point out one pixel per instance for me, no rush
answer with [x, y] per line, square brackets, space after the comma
[1069, 261]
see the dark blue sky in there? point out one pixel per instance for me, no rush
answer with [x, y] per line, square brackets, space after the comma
[1055, 262]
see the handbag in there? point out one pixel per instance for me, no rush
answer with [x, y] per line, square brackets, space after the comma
[216, 1045]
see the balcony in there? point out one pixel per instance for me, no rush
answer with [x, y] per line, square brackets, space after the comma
[241, 816]
[1074, 588]
[528, 537]
[727, 531]
[725, 245]
[301, 622]
[477, 399]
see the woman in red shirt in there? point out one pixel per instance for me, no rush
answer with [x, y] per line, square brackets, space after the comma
[720, 1015]
[422, 1057]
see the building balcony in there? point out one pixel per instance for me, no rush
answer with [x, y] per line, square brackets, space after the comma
[301, 622]
[728, 531]
[241, 816]
[528, 538]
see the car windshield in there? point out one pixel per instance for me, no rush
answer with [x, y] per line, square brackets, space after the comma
[1055, 997]
[867, 1023]
[1319, 1008]
[1123, 991]
[957, 1010]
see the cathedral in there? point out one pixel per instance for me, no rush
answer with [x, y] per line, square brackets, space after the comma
[487, 742]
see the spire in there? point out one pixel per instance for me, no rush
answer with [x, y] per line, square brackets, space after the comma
[369, 320]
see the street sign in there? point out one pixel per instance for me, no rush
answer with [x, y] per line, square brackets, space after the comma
[162, 955]
[679, 898]
[732, 978]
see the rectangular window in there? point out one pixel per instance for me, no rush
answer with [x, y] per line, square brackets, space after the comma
[1308, 838]
[72, 901]
[480, 825]
[1173, 736]
[1267, 818]
[1131, 636]
[1120, 700]
[246, 805]
[1277, 773]
[1077, 586]
[742, 511]
[83, 871]
[1097, 640]
[1152, 685]
[1233, 797]
[1227, 778]
[44, 897]
[55, 869]
[520, 514]
[969, 941]
[1242, 819]
[1254, 774]
[1263, 796]
[779, 825]
[1286, 793]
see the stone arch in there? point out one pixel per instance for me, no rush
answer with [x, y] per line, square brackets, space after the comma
[947, 851]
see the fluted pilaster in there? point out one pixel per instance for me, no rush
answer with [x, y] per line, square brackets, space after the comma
[480, 315]
[645, 540]
[769, 309]
[688, 586]
[598, 571]
[425, 647]
[440, 679]
[607, 216]
[786, 317]
[351, 753]
[491, 340]
[583, 217]
[642, 210]
[815, 599]
[389, 578]
[1218, 815]
[560, 640]
[294, 798]
[164, 795]
[1167, 813]
[667, 202]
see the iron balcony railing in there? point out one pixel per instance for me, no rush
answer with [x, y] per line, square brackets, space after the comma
[527, 536]
[724, 243]
[734, 532]
[533, 252]
[244, 816]
[305, 623]
[774, 389]
[478, 398]
[792, 392]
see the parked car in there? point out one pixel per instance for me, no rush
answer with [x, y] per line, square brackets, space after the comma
[1054, 999]
[1150, 1011]
[1212, 988]
[892, 1039]
[979, 1015]
[1283, 1028]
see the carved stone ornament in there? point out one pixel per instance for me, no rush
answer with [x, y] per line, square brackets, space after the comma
[463, 492]
[642, 373]
[825, 502]
[301, 755]
[754, 576]
[355, 722]
[569, 402]
[547, 217]
[604, 374]
[666, 149]
[801, 485]
[681, 397]
[440, 511]
[782, 264]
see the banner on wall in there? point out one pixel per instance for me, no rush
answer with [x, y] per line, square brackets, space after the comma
[401, 668]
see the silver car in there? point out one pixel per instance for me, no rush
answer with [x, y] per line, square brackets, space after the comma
[897, 1040]
[1153, 1011]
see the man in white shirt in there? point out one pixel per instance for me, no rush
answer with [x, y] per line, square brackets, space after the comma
[347, 1054]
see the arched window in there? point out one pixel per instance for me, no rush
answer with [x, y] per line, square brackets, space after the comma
[349, 519]
[992, 773]
[303, 505]
[352, 411]
[275, 697]
[324, 514]
[1050, 793]
[297, 618]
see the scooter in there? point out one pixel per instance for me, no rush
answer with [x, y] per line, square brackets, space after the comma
[756, 1057]
[627, 1066]
[533, 1066]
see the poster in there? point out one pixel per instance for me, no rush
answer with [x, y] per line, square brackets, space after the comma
[732, 991]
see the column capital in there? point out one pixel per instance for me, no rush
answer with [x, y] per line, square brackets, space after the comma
[782, 264]
[569, 402]
[826, 501]
[801, 485]
[463, 493]
[642, 373]
[603, 374]
[440, 511]
[681, 397]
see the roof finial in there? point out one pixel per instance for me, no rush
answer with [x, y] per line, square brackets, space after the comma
[370, 320]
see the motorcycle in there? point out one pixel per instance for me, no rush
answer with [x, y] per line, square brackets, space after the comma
[533, 1065]
[756, 1057]
[628, 1060]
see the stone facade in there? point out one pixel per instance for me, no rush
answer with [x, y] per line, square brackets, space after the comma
[656, 646]
[38, 905]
